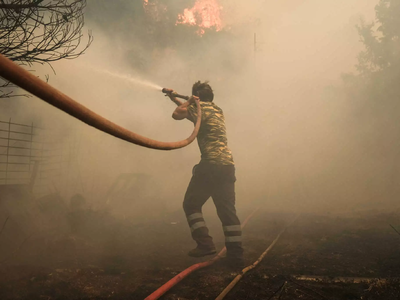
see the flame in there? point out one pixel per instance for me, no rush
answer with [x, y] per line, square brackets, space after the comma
[204, 14]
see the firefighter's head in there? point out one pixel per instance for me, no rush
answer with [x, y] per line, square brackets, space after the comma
[203, 90]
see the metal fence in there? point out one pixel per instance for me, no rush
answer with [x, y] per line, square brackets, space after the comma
[35, 156]
[18, 151]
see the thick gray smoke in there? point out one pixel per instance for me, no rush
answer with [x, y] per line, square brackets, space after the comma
[274, 66]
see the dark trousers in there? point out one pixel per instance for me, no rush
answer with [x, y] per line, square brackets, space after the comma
[218, 182]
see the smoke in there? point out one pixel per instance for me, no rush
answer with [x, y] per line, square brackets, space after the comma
[274, 66]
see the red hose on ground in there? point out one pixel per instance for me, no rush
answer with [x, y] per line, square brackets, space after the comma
[174, 281]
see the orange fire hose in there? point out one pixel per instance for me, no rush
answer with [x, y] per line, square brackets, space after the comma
[245, 270]
[172, 282]
[22, 78]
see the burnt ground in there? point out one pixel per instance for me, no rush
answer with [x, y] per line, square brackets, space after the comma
[109, 259]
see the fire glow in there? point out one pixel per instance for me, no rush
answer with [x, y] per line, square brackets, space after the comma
[205, 14]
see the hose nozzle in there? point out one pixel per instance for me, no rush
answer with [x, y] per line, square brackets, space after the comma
[167, 91]
[174, 94]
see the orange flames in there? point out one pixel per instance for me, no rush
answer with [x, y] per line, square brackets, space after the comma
[204, 14]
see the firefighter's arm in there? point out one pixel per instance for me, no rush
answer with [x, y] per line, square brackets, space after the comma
[173, 99]
[181, 112]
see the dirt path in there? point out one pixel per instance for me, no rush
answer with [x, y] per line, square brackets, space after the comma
[125, 261]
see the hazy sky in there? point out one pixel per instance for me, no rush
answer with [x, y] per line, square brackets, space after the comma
[290, 139]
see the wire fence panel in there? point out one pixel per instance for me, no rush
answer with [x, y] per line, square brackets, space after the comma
[16, 143]
[22, 146]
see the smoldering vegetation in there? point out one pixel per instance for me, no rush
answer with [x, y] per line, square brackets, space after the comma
[307, 132]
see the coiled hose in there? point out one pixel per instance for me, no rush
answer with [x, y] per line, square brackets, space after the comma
[30, 83]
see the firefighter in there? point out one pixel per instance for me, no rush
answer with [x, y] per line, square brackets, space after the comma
[213, 176]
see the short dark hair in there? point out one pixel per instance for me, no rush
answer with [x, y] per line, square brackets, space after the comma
[203, 90]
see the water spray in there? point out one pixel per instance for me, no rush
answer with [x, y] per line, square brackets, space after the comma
[129, 78]
[30, 83]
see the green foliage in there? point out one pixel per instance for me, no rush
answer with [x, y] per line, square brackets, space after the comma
[380, 60]
[373, 93]
[375, 85]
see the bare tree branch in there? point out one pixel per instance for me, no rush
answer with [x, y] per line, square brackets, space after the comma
[41, 32]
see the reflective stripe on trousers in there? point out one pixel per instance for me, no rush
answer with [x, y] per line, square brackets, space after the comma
[233, 233]
[194, 216]
[196, 221]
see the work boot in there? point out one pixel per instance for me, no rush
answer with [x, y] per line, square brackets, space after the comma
[200, 252]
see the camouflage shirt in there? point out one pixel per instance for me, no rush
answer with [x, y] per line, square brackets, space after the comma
[212, 139]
